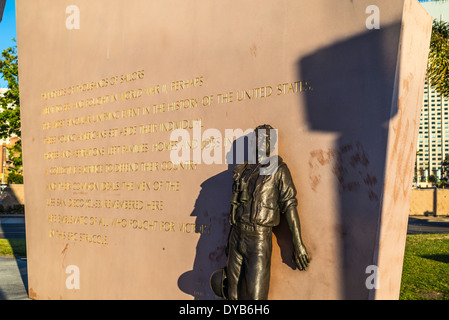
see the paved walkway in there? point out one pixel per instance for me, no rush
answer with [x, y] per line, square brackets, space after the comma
[423, 224]
[13, 279]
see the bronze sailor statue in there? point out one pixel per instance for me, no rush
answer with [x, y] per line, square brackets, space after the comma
[262, 192]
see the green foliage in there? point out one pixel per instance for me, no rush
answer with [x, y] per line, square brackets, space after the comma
[13, 247]
[438, 62]
[14, 177]
[433, 179]
[443, 183]
[10, 104]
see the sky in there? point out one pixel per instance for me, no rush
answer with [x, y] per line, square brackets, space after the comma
[437, 9]
[7, 30]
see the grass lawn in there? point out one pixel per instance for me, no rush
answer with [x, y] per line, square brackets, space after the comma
[425, 274]
[13, 247]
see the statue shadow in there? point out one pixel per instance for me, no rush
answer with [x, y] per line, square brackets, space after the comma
[211, 208]
[285, 243]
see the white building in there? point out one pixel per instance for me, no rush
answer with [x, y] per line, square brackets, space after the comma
[433, 139]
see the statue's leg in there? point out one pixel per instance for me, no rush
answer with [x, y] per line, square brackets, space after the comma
[234, 265]
[258, 265]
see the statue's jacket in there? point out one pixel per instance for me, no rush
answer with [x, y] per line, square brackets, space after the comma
[273, 194]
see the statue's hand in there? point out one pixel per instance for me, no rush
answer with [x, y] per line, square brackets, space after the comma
[301, 257]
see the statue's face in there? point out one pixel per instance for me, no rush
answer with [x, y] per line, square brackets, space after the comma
[263, 144]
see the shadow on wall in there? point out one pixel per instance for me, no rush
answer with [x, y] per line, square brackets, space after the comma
[353, 85]
[211, 208]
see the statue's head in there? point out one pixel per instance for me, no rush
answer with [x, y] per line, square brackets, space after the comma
[266, 137]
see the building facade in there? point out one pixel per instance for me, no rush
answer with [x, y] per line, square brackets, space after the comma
[433, 140]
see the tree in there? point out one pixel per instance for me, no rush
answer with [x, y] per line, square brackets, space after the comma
[10, 105]
[445, 165]
[418, 153]
[15, 178]
[433, 179]
[443, 183]
[438, 62]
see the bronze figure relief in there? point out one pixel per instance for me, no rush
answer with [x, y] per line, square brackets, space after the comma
[262, 192]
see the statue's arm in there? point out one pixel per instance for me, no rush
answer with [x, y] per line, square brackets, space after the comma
[300, 255]
[288, 205]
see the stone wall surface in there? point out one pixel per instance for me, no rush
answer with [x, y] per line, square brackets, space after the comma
[110, 215]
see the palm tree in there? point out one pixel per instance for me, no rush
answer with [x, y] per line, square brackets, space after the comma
[418, 153]
[445, 165]
[438, 62]
[433, 179]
